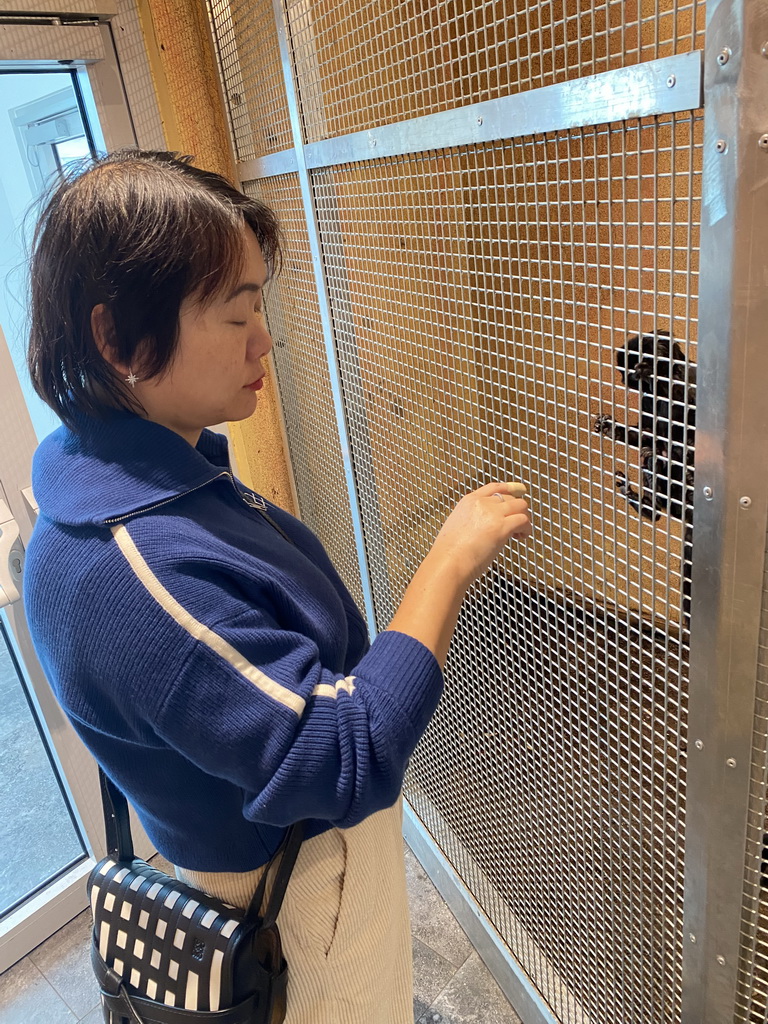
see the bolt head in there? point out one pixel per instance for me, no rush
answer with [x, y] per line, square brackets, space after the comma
[479, 120]
[731, 762]
[721, 961]
[724, 56]
[692, 937]
[745, 502]
[764, 50]
[699, 744]
[721, 145]
[672, 81]
[708, 493]
[763, 141]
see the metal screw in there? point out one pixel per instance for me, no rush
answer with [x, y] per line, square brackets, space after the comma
[479, 120]
[724, 56]
[764, 50]
[721, 961]
[708, 493]
[672, 81]
[763, 142]
[699, 744]
[721, 145]
[745, 502]
[692, 937]
[374, 142]
[731, 762]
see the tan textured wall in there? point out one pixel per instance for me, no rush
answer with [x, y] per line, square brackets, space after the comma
[184, 69]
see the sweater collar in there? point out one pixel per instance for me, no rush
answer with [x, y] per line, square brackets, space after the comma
[109, 469]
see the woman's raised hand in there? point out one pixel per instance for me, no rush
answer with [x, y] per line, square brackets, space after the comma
[479, 527]
[471, 537]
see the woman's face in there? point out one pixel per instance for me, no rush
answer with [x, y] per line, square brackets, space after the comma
[217, 369]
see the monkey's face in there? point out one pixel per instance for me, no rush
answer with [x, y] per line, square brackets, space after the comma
[644, 359]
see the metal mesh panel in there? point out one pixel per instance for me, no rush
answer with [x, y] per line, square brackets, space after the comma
[752, 993]
[305, 387]
[360, 63]
[483, 299]
[249, 63]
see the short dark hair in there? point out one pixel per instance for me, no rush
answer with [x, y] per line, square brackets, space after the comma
[138, 231]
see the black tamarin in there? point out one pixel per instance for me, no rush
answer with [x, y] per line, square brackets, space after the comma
[656, 366]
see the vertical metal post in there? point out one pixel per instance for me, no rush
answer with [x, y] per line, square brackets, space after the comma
[731, 500]
[313, 230]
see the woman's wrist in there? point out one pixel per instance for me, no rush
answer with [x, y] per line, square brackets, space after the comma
[446, 569]
[430, 606]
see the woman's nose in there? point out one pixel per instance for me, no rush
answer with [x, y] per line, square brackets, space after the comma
[261, 341]
[268, 338]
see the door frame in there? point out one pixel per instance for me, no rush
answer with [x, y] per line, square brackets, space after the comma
[89, 50]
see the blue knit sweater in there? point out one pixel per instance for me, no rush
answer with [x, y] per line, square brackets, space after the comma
[220, 673]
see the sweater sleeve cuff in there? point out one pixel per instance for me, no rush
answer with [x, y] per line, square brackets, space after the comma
[408, 672]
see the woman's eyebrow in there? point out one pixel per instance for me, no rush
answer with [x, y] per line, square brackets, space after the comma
[247, 287]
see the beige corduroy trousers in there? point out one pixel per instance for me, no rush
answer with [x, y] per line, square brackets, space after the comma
[344, 924]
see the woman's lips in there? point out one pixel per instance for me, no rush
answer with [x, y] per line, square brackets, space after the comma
[256, 385]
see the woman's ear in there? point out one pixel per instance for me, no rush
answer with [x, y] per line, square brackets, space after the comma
[103, 330]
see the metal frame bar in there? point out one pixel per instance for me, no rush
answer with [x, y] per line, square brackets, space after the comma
[268, 166]
[663, 86]
[731, 502]
[656, 87]
[325, 307]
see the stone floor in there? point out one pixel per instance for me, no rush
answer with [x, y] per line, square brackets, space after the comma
[54, 984]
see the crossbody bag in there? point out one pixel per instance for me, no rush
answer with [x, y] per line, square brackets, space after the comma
[166, 953]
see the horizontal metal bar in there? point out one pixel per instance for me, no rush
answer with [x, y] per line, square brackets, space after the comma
[490, 947]
[655, 87]
[268, 166]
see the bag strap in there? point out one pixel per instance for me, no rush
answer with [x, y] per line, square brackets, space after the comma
[288, 851]
[117, 824]
[265, 515]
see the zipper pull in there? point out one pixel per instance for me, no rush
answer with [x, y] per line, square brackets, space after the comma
[254, 500]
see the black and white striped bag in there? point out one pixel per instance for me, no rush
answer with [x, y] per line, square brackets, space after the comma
[167, 953]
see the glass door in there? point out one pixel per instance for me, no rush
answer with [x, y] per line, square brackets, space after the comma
[51, 828]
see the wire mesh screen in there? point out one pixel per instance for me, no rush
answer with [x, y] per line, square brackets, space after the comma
[302, 370]
[360, 64]
[752, 992]
[527, 310]
[248, 50]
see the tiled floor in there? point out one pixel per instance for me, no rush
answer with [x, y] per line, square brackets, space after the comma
[54, 984]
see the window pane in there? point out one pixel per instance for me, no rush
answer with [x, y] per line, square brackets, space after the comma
[37, 835]
[72, 151]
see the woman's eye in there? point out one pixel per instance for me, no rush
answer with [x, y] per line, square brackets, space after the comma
[237, 323]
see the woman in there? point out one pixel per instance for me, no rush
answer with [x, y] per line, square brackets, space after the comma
[198, 637]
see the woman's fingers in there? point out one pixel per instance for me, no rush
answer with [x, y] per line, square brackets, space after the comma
[519, 525]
